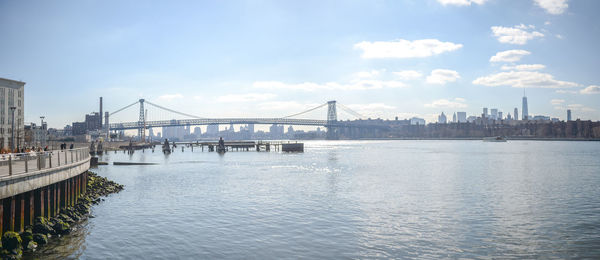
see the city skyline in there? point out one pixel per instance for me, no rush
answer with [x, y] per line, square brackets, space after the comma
[382, 59]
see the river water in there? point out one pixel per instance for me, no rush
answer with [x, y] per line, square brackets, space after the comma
[350, 199]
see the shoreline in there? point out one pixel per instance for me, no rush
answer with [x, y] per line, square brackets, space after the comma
[14, 244]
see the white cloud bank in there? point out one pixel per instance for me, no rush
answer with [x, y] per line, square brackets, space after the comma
[553, 6]
[593, 89]
[442, 76]
[445, 103]
[524, 67]
[408, 74]
[461, 2]
[403, 49]
[311, 86]
[519, 34]
[523, 79]
[509, 56]
[368, 74]
[557, 101]
[250, 97]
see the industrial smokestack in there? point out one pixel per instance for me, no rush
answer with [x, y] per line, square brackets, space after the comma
[100, 113]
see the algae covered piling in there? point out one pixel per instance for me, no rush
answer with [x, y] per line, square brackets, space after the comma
[13, 244]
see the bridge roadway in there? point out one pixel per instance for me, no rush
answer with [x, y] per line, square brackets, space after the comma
[226, 121]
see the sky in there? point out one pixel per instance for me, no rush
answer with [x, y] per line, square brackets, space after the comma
[257, 58]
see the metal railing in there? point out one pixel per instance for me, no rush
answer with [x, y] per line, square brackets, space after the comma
[20, 163]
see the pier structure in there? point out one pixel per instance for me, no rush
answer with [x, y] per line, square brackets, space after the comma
[40, 184]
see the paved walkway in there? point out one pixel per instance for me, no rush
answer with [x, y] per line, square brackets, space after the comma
[18, 162]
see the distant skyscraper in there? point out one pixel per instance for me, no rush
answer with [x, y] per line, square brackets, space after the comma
[500, 115]
[568, 114]
[494, 113]
[442, 118]
[461, 117]
[485, 114]
[524, 109]
[454, 118]
[516, 114]
[508, 117]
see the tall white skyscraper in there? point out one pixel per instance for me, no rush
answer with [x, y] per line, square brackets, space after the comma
[442, 118]
[485, 110]
[461, 117]
[494, 113]
[524, 109]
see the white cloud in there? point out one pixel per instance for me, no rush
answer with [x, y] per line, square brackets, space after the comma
[286, 106]
[408, 74]
[461, 2]
[368, 74]
[509, 56]
[593, 89]
[557, 101]
[372, 106]
[559, 36]
[372, 109]
[170, 97]
[523, 79]
[442, 76]
[310, 86]
[519, 34]
[404, 48]
[524, 67]
[445, 103]
[250, 97]
[553, 6]
[563, 91]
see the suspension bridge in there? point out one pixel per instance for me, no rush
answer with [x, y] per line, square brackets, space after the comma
[142, 123]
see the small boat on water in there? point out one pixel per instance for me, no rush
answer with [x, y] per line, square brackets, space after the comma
[221, 150]
[495, 139]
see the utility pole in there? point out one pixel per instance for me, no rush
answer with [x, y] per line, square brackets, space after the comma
[42, 133]
[12, 136]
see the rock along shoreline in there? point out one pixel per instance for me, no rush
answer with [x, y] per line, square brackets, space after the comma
[13, 243]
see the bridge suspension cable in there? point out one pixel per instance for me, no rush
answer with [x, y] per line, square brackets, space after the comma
[126, 107]
[173, 111]
[304, 112]
[350, 111]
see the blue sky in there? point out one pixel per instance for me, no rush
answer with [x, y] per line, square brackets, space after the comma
[274, 58]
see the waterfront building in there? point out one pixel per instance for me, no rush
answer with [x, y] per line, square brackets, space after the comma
[568, 114]
[494, 113]
[461, 117]
[212, 130]
[79, 128]
[442, 118]
[516, 114]
[419, 121]
[197, 131]
[11, 95]
[524, 109]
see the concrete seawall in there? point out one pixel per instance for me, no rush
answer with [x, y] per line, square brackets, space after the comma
[41, 193]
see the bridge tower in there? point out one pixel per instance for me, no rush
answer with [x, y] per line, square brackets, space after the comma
[332, 132]
[331, 111]
[142, 122]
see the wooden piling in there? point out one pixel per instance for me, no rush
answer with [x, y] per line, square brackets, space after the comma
[11, 221]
